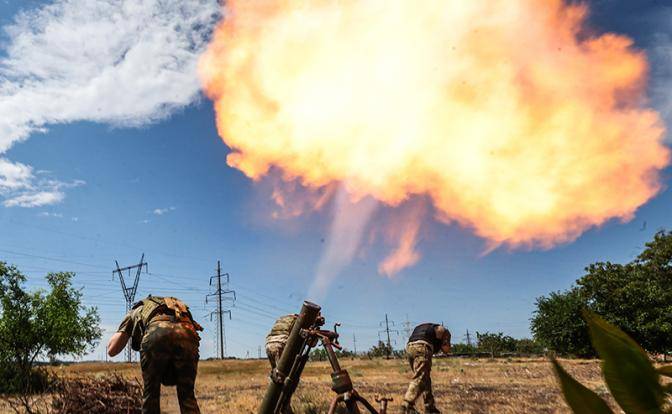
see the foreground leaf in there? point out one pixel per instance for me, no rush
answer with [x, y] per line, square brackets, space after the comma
[630, 376]
[580, 399]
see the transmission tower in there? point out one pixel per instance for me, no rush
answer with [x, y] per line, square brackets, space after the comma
[129, 290]
[221, 295]
[387, 330]
[407, 327]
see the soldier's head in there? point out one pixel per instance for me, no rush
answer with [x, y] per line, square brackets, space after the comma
[443, 334]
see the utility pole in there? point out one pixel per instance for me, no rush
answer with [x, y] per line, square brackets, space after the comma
[221, 295]
[354, 343]
[259, 351]
[387, 330]
[468, 339]
[407, 327]
[129, 291]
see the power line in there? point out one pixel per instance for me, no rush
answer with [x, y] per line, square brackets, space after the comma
[407, 327]
[129, 292]
[387, 330]
[53, 259]
[99, 240]
[221, 295]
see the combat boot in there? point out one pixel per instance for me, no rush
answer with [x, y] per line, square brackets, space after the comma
[432, 410]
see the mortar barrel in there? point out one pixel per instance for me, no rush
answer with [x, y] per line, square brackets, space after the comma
[306, 319]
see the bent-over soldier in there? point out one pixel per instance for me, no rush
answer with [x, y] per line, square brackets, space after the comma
[426, 340]
[164, 331]
[277, 338]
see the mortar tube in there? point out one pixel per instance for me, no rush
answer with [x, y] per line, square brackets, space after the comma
[306, 319]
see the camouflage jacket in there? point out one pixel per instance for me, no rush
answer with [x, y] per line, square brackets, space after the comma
[137, 320]
[281, 329]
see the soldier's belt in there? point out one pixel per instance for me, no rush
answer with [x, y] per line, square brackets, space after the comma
[170, 318]
[421, 342]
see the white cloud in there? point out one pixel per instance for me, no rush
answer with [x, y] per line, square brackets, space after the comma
[162, 211]
[123, 62]
[38, 199]
[21, 187]
[14, 176]
[48, 214]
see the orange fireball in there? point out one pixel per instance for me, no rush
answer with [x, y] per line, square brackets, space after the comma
[509, 115]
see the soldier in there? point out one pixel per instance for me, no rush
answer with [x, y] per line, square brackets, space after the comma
[164, 332]
[427, 339]
[277, 338]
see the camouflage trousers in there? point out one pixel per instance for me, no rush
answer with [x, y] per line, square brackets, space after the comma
[274, 352]
[420, 358]
[169, 356]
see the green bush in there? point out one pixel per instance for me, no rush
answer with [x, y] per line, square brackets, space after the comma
[463, 349]
[528, 347]
[380, 350]
[635, 296]
[495, 343]
[40, 325]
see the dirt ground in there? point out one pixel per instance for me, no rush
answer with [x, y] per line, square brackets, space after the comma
[460, 385]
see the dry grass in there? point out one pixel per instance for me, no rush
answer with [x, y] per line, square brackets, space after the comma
[460, 385]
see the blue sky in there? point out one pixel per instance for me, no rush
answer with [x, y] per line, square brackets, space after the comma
[159, 184]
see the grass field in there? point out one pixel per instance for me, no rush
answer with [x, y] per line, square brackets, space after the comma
[460, 385]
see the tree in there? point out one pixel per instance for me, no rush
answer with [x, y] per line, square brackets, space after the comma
[557, 323]
[461, 348]
[495, 343]
[320, 354]
[635, 296]
[528, 346]
[380, 350]
[40, 324]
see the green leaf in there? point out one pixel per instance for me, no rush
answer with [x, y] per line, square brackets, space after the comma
[630, 376]
[666, 370]
[580, 399]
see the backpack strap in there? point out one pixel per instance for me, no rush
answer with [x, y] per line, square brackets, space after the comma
[151, 305]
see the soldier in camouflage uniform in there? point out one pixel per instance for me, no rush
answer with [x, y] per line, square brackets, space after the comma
[277, 338]
[164, 332]
[427, 339]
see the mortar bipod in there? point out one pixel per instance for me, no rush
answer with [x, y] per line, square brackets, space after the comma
[341, 383]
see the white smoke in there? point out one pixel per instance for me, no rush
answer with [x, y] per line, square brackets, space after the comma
[345, 235]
